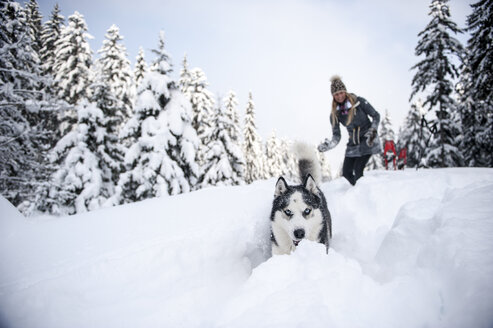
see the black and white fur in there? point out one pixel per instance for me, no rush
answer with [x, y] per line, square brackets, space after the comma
[300, 211]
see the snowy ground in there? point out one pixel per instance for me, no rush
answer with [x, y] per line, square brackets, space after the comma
[410, 249]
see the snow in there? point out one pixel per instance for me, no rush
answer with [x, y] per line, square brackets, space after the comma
[410, 249]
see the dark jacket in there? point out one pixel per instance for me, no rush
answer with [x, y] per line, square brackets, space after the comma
[357, 146]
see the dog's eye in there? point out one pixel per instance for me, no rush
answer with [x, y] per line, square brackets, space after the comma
[288, 212]
[307, 211]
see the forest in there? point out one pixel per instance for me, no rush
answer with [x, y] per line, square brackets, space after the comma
[80, 132]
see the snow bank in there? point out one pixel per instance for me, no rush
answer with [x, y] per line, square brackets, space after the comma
[449, 239]
[410, 249]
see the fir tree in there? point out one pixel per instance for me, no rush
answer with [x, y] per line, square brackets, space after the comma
[289, 168]
[89, 157]
[223, 165]
[83, 181]
[376, 162]
[480, 24]
[117, 74]
[476, 87]
[19, 61]
[413, 136]
[140, 67]
[72, 69]
[472, 121]
[230, 104]
[436, 72]
[273, 157]
[203, 105]
[202, 101]
[50, 34]
[386, 131]
[34, 25]
[185, 78]
[24, 137]
[233, 130]
[111, 152]
[162, 159]
[252, 145]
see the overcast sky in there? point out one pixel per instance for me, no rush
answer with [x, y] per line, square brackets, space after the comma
[283, 51]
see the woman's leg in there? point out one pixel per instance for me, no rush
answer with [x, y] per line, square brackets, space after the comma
[359, 166]
[348, 169]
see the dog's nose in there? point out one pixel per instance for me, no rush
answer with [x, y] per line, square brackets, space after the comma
[299, 233]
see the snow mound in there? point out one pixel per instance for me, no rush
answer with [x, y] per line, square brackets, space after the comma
[410, 249]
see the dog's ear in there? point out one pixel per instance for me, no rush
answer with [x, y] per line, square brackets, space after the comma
[311, 185]
[281, 187]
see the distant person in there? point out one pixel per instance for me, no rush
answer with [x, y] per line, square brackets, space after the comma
[354, 113]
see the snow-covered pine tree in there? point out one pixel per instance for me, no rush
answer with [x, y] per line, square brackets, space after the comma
[90, 157]
[34, 25]
[252, 145]
[473, 117]
[273, 157]
[202, 101]
[110, 152]
[436, 73]
[73, 60]
[117, 74]
[16, 143]
[480, 54]
[24, 136]
[20, 63]
[386, 130]
[44, 198]
[230, 104]
[413, 136]
[162, 159]
[72, 68]
[203, 105]
[223, 166]
[477, 87]
[233, 130]
[140, 67]
[289, 168]
[83, 180]
[376, 162]
[50, 34]
[185, 77]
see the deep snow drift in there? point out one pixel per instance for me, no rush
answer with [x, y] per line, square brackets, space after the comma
[410, 249]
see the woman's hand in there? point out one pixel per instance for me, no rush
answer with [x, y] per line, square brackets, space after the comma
[326, 145]
[370, 136]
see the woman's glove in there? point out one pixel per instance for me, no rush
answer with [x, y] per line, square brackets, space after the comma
[370, 136]
[326, 145]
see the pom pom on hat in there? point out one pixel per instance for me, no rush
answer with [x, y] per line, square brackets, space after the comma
[336, 84]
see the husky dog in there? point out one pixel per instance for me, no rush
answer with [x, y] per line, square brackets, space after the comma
[300, 211]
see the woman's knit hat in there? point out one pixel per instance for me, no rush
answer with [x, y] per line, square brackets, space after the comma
[336, 84]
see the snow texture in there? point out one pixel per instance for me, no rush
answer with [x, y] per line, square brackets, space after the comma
[418, 258]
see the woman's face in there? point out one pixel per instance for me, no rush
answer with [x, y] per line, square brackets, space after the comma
[340, 96]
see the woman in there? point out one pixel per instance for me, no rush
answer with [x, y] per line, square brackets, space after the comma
[354, 113]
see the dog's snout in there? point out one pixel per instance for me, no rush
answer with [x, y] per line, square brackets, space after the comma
[299, 233]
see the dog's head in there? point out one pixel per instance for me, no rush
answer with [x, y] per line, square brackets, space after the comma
[297, 209]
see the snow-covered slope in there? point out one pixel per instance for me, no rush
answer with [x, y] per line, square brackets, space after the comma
[410, 249]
